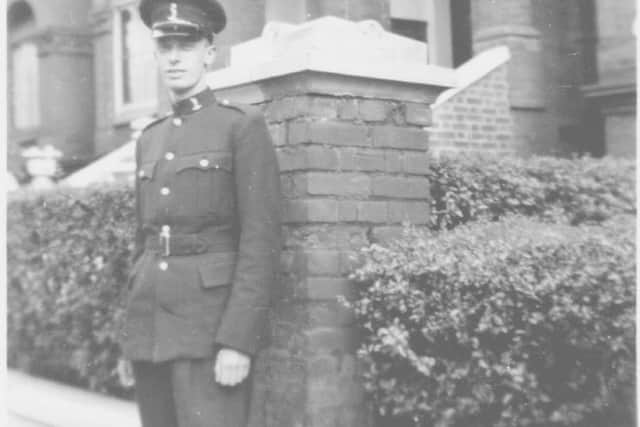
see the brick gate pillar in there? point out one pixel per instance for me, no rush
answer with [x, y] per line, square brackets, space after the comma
[353, 151]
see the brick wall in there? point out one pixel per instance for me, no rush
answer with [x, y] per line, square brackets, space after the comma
[352, 169]
[477, 118]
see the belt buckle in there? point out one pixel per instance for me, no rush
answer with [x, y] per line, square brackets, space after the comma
[165, 239]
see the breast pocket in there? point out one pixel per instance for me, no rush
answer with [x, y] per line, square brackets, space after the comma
[146, 174]
[205, 182]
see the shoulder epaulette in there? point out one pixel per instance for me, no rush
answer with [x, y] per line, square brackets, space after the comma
[156, 121]
[243, 108]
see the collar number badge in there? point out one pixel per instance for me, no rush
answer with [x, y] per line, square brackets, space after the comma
[195, 104]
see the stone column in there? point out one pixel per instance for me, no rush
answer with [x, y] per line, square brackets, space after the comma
[64, 83]
[66, 90]
[614, 94]
[353, 151]
[511, 23]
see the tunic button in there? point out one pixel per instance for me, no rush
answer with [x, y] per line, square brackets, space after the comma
[163, 265]
[141, 174]
[169, 155]
[225, 101]
[177, 121]
[165, 191]
[204, 163]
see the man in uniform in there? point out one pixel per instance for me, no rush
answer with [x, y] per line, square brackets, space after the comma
[208, 236]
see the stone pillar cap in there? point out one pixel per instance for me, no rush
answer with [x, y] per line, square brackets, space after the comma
[335, 46]
[332, 38]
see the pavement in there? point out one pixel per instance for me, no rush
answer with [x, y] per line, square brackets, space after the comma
[35, 402]
[18, 421]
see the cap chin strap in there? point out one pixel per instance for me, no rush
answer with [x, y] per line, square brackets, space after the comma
[156, 34]
[176, 23]
[176, 28]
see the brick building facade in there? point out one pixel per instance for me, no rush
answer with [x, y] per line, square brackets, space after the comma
[571, 77]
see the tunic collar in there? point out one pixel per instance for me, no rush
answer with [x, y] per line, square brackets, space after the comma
[194, 103]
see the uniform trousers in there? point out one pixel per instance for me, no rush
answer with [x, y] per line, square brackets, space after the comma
[184, 393]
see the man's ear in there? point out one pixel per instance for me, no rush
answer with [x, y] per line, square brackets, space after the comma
[211, 55]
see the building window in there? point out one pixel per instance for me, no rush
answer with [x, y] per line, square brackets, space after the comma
[416, 30]
[26, 99]
[134, 85]
[426, 21]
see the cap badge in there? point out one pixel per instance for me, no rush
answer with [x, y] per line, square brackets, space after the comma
[174, 12]
[196, 104]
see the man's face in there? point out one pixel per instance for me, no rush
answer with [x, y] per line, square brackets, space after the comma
[183, 60]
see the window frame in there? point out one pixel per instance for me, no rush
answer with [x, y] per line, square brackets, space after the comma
[125, 112]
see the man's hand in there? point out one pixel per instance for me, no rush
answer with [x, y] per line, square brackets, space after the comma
[125, 373]
[231, 367]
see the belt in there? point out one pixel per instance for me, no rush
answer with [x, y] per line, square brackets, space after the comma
[209, 240]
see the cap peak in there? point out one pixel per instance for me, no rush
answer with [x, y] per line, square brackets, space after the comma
[208, 16]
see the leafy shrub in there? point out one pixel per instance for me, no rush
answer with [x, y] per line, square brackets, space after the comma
[68, 258]
[509, 323]
[467, 188]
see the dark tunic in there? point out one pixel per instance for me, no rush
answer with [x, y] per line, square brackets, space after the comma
[208, 237]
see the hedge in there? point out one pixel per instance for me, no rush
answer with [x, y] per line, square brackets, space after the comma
[468, 188]
[69, 250]
[510, 323]
[68, 257]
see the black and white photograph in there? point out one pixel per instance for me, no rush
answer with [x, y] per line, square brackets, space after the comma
[320, 213]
